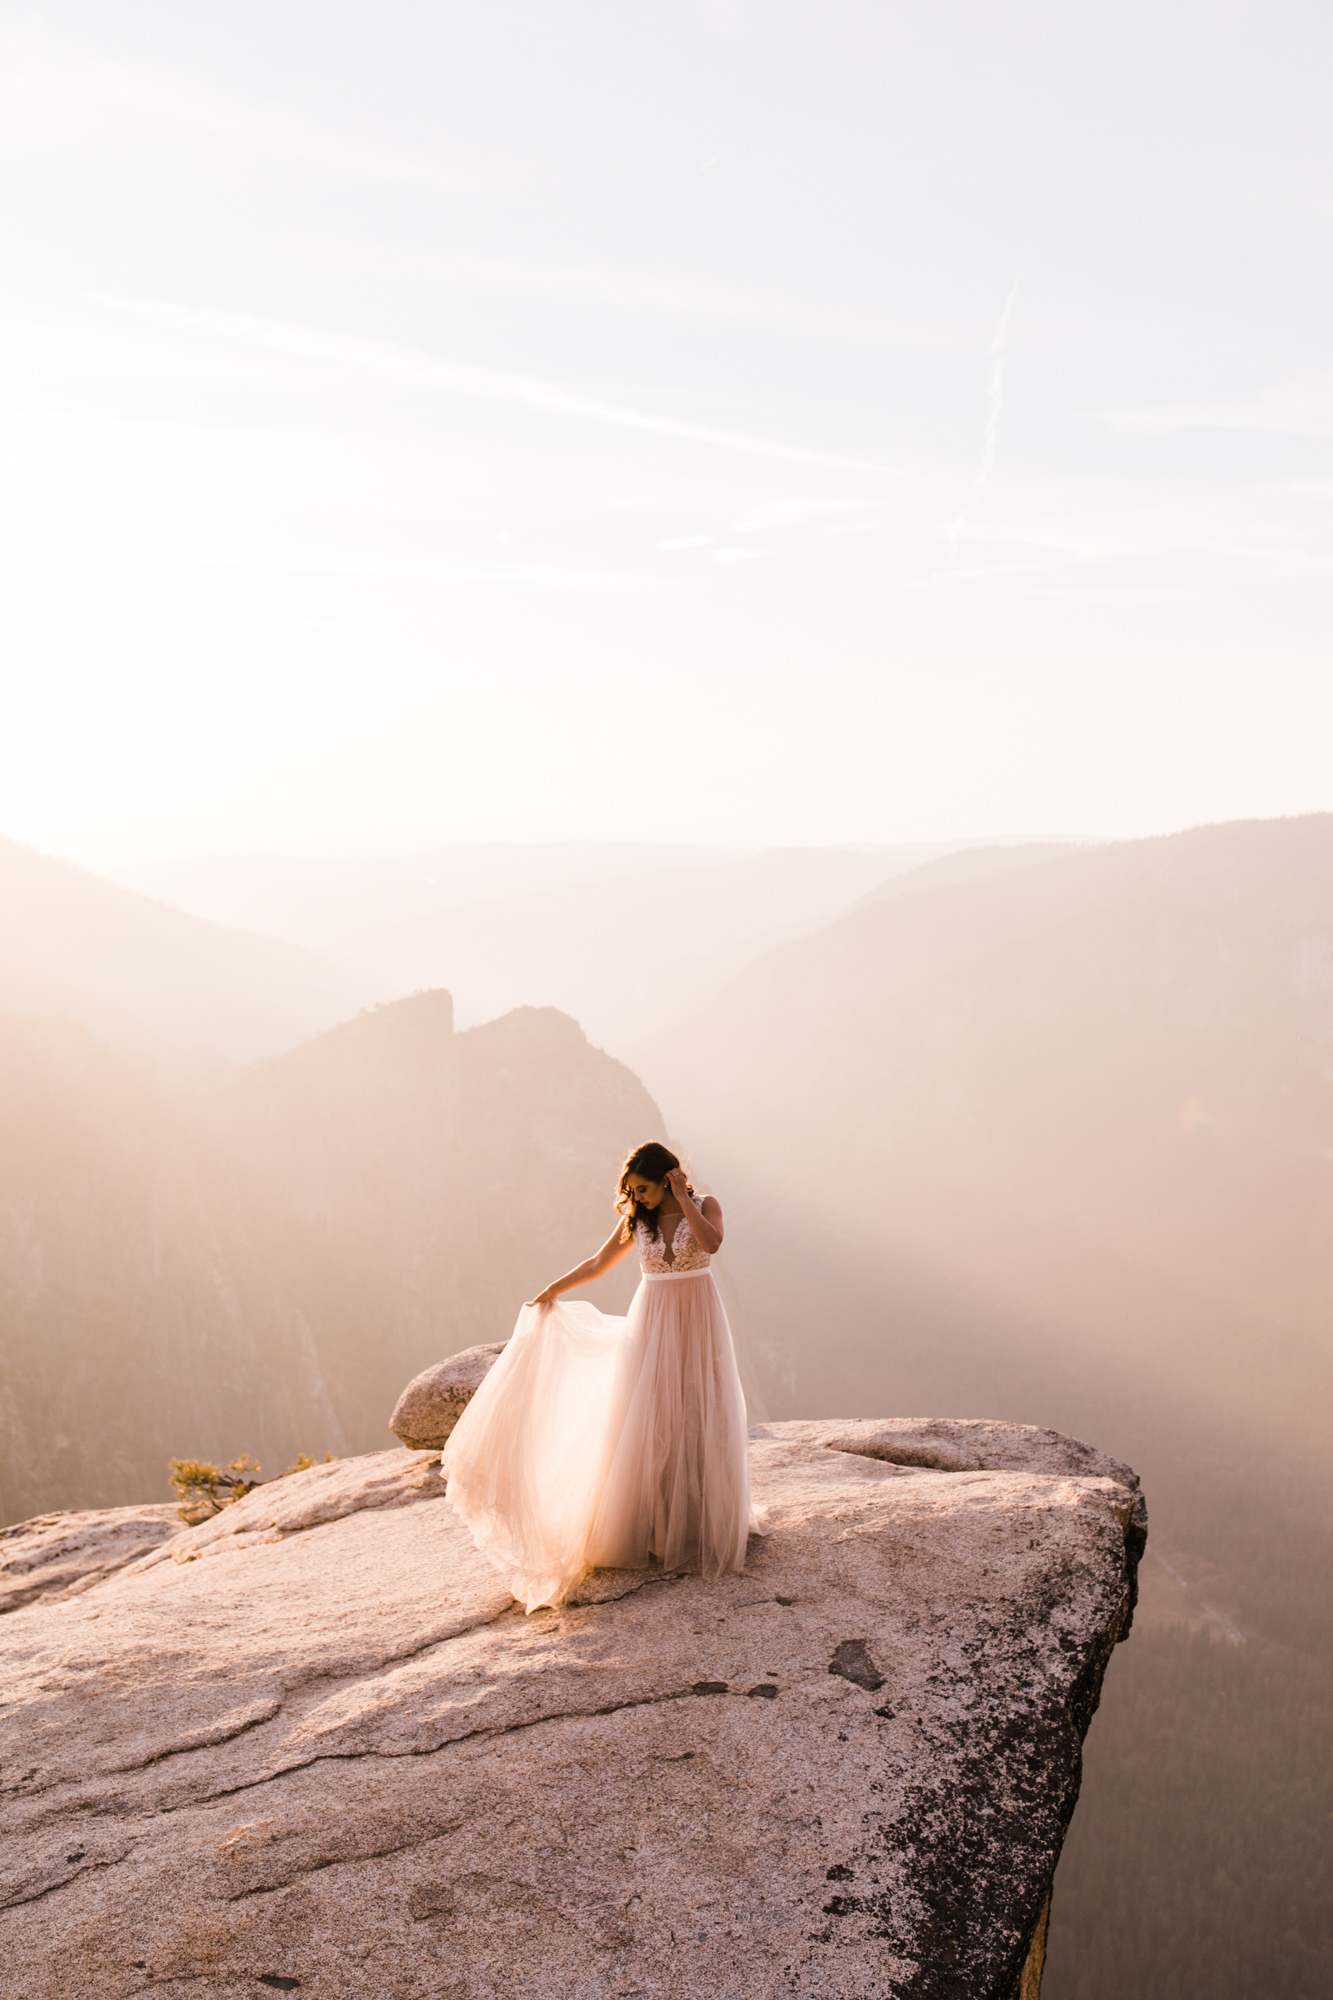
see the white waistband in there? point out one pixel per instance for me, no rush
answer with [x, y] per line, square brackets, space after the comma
[655, 1276]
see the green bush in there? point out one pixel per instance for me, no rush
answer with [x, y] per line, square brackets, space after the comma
[204, 1489]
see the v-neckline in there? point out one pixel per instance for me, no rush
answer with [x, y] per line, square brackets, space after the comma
[669, 1246]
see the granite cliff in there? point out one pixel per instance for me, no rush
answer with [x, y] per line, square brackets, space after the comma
[313, 1746]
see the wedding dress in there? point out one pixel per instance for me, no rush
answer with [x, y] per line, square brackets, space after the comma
[608, 1442]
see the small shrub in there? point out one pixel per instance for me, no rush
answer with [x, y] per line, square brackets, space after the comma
[204, 1489]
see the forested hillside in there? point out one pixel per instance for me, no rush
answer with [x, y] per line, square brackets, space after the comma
[258, 1260]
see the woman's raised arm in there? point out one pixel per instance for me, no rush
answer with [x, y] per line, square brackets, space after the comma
[704, 1218]
[610, 1253]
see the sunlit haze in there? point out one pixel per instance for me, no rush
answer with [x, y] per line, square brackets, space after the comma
[745, 576]
[730, 423]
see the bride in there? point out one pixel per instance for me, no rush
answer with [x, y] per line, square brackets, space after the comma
[600, 1442]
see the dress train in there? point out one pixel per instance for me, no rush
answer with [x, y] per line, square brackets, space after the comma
[608, 1442]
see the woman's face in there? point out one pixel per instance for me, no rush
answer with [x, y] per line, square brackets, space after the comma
[648, 1194]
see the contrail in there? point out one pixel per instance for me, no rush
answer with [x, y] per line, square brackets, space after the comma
[467, 379]
[995, 405]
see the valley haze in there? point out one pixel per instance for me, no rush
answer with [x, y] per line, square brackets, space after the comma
[1036, 1131]
[752, 573]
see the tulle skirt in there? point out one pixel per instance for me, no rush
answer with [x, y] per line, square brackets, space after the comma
[600, 1442]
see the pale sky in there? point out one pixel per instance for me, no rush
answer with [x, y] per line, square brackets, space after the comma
[739, 422]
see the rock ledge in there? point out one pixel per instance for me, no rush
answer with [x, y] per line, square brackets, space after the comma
[314, 1745]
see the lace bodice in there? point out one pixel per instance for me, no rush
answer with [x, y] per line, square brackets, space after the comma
[686, 1254]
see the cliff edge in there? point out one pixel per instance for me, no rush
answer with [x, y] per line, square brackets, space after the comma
[312, 1745]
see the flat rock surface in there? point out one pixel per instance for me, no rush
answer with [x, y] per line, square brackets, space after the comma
[941, 1444]
[313, 1745]
[58, 1555]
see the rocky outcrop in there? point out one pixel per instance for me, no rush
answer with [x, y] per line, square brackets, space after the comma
[313, 1746]
[434, 1400]
[257, 1262]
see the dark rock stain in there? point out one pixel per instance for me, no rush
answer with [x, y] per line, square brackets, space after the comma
[852, 1660]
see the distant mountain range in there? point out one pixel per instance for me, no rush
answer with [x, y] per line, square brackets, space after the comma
[622, 936]
[336, 905]
[245, 958]
[1035, 1116]
[139, 971]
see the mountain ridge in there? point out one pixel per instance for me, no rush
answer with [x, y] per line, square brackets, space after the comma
[138, 969]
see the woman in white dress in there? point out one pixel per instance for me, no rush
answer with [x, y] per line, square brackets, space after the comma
[601, 1442]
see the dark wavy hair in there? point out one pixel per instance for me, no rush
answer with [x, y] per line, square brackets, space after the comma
[654, 1162]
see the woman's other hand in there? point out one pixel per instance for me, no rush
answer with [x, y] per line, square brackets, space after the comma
[546, 1298]
[704, 1218]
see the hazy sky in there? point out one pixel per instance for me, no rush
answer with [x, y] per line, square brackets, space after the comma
[736, 422]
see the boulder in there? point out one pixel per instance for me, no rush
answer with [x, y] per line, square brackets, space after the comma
[312, 1745]
[434, 1400]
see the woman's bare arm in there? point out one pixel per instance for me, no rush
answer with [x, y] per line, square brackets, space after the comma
[610, 1253]
[704, 1218]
